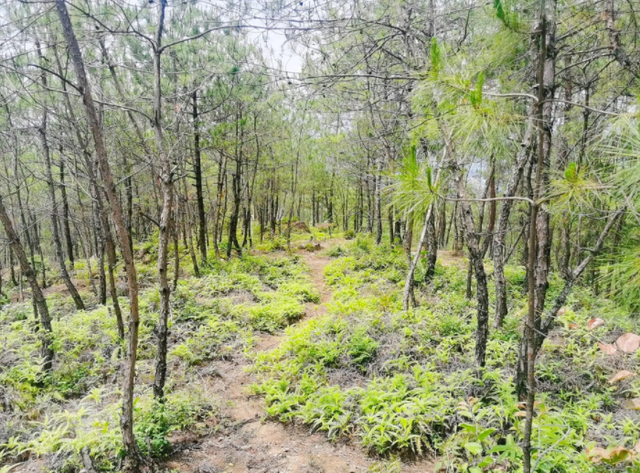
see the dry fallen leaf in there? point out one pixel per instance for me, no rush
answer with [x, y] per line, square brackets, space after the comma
[620, 375]
[629, 342]
[637, 447]
[597, 454]
[607, 348]
[573, 326]
[620, 454]
[523, 404]
[595, 322]
[562, 311]
[632, 404]
[613, 456]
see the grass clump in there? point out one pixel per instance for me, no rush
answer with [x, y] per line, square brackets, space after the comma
[278, 311]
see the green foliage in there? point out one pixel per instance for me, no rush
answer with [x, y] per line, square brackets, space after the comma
[280, 311]
[507, 14]
[155, 421]
[362, 348]
[214, 339]
[436, 57]
[414, 190]
[411, 391]
[497, 4]
[78, 404]
[571, 174]
[475, 96]
[304, 291]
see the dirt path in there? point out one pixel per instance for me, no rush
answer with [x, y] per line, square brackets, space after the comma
[246, 443]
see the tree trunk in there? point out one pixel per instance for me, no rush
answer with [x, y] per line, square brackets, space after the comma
[166, 214]
[100, 217]
[500, 235]
[197, 171]
[432, 249]
[378, 205]
[539, 234]
[65, 216]
[475, 256]
[39, 301]
[55, 232]
[407, 294]
[129, 442]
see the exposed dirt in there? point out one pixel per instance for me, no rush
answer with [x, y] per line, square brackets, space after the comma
[248, 443]
[452, 258]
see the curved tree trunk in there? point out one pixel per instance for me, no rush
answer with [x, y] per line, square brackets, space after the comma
[38, 297]
[500, 234]
[55, 231]
[432, 248]
[129, 442]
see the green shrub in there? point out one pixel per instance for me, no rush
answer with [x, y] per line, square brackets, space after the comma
[275, 315]
[362, 348]
[154, 421]
[304, 292]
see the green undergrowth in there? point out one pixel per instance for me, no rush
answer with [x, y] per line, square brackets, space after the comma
[405, 383]
[299, 239]
[77, 405]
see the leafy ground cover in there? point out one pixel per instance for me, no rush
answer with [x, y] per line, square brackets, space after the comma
[404, 383]
[401, 385]
[77, 406]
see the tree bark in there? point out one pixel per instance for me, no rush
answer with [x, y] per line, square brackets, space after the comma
[539, 234]
[55, 231]
[476, 263]
[129, 442]
[500, 235]
[65, 216]
[432, 249]
[46, 332]
[166, 216]
[197, 171]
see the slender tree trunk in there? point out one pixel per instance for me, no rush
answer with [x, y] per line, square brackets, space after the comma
[12, 271]
[197, 171]
[57, 243]
[129, 442]
[408, 235]
[539, 235]
[166, 214]
[100, 217]
[39, 301]
[407, 294]
[65, 216]
[378, 205]
[187, 228]
[432, 249]
[235, 213]
[500, 235]
[475, 254]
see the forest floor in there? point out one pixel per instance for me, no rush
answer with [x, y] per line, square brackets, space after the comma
[246, 441]
[269, 348]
